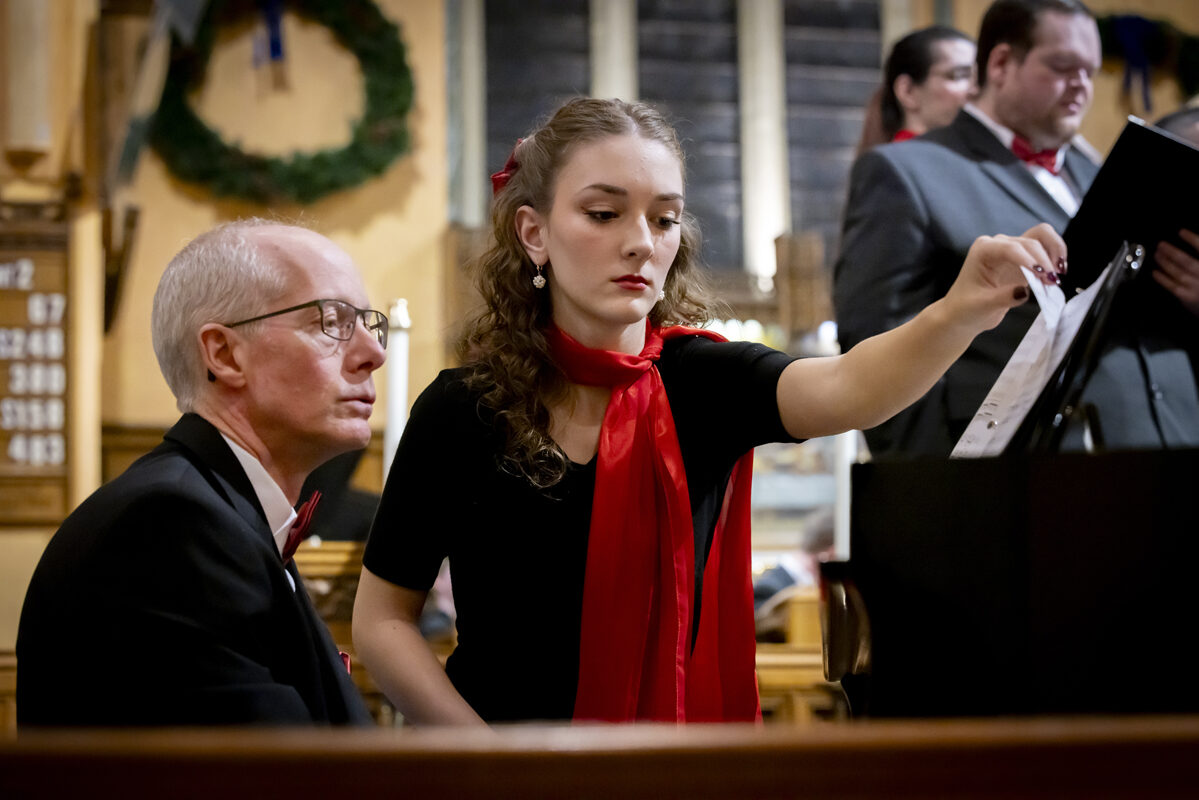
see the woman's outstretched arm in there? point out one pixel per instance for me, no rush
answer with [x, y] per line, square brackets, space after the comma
[886, 373]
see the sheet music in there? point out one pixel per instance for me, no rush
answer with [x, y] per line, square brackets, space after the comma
[1028, 370]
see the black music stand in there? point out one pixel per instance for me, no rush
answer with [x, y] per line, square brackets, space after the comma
[1058, 404]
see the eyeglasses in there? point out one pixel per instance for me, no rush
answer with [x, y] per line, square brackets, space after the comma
[338, 319]
[961, 73]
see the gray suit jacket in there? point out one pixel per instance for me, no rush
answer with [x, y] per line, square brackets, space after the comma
[914, 209]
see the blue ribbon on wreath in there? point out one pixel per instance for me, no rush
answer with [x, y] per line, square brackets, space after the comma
[1142, 44]
[272, 14]
[268, 39]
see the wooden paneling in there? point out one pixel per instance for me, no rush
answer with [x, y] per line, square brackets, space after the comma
[791, 678]
[121, 445]
[34, 364]
[8, 692]
[330, 570]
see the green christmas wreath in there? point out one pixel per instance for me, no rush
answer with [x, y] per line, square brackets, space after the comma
[196, 153]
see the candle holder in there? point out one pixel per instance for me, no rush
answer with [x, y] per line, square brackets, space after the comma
[399, 323]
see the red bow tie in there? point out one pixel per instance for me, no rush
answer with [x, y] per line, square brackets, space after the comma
[299, 529]
[1042, 158]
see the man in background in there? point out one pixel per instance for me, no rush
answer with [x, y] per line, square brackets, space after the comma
[1178, 269]
[915, 207]
[169, 597]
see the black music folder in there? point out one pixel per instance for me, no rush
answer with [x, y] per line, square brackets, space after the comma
[1144, 193]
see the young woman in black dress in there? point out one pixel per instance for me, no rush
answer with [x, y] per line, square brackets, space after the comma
[586, 471]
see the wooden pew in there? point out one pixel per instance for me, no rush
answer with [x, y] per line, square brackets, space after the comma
[790, 675]
[1000, 758]
[791, 679]
[8, 692]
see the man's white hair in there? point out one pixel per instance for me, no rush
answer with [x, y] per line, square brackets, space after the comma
[220, 276]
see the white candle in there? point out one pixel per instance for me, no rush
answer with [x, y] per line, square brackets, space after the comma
[397, 380]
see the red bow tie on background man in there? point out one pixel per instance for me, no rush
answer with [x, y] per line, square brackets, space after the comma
[1042, 158]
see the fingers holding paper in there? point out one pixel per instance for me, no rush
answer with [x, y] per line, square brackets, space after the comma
[1178, 271]
[994, 277]
[885, 373]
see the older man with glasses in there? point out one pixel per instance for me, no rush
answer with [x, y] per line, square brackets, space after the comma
[169, 597]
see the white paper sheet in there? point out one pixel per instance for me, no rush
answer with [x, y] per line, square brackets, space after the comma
[1028, 370]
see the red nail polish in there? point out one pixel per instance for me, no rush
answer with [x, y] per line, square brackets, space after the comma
[1061, 265]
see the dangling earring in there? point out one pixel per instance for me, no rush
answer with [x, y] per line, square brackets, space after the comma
[661, 295]
[539, 279]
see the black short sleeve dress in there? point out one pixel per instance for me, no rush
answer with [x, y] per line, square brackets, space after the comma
[518, 554]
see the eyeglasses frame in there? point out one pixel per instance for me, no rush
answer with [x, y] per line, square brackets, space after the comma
[360, 314]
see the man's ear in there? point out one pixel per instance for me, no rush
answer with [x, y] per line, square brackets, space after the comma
[1002, 57]
[530, 229]
[216, 350]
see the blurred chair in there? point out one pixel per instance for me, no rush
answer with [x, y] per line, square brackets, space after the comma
[330, 570]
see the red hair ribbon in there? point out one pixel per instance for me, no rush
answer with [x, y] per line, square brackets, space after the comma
[500, 179]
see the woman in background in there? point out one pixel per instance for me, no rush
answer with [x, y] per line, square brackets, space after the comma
[928, 76]
[586, 471]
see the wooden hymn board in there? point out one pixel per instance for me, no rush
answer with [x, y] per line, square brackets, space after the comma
[34, 355]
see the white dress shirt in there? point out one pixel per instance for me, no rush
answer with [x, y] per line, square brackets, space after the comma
[279, 513]
[1059, 188]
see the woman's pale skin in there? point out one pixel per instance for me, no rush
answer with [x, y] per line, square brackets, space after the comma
[948, 86]
[610, 237]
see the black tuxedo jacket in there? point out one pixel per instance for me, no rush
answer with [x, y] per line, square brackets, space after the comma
[913, 211]
[162, 600]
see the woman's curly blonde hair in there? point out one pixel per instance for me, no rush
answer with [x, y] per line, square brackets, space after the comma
[504, 345]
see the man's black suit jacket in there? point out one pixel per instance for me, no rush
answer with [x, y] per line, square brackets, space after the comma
[914, 209]
[162, 600]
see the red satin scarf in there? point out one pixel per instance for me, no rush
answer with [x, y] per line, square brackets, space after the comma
[635, 659]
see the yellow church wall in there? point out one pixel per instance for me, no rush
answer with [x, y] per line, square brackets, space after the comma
[19, 552]
[393, 226]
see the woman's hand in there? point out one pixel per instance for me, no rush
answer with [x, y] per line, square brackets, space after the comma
[888, 372]
[991, 281]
